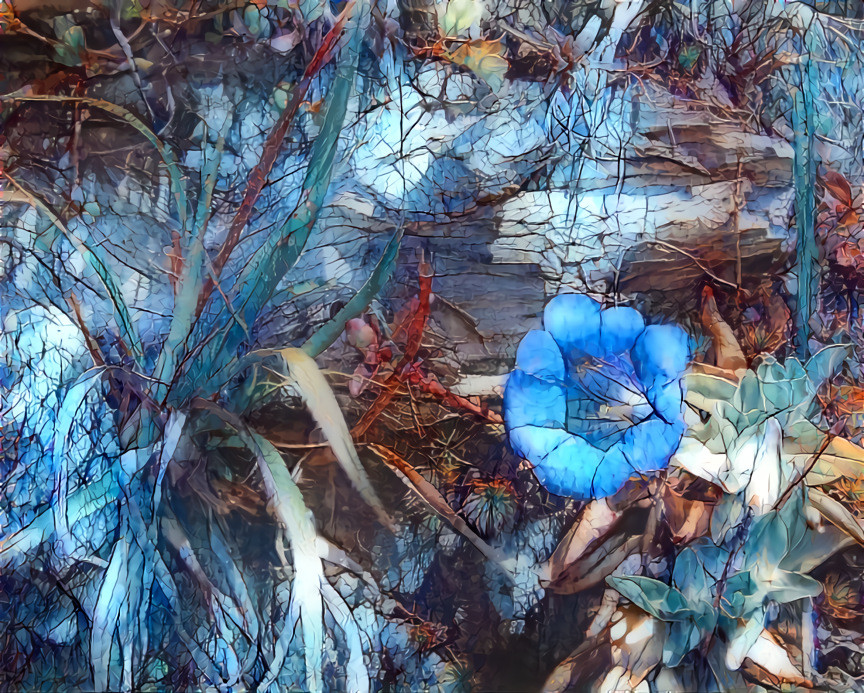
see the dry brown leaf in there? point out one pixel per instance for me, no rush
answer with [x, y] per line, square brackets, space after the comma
[485, 59]
[594, 522]
[727, 351]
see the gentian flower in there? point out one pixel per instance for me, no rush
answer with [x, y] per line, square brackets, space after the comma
[596, 396]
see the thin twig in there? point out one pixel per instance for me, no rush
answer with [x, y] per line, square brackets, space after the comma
[272, 147]
[416, 327]
[433, 498]
[696, 261]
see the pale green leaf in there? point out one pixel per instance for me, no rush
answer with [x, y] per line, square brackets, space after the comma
[837, 514]
[652, 596]
[66, 417]
[329, 332]
[112, 594]
[304, 376]
[460, 16]
[306, 606]
[825, 363]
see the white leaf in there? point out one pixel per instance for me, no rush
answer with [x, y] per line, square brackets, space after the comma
[697, 458]
[772, 657]
[743, 640]
[767, 480]
[461, 16]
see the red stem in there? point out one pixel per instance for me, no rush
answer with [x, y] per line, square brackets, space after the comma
[272, 146]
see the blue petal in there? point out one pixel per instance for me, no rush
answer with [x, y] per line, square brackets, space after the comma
[667, 400]
[577, 469]
[538, 354]
[574, 321]
[533, 443]
[649, 445]
[612, 474]
[660, 354]
[570, 469]
[531, 401]
[619, 328]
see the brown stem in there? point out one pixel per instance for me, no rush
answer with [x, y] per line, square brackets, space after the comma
[416, 327]
[272, 147]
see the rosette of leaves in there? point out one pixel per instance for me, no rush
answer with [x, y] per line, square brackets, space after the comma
[155, 580]
[717, 605]
[724, 587]
[772, 407]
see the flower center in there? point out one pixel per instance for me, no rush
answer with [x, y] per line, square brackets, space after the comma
[604, 399]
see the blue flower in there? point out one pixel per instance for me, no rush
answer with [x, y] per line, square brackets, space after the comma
[596, 396]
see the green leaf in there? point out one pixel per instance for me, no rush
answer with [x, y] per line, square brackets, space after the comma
[786, 586]
[690, 578]
[61, 24]
[74, 38]
[252, 19]
[652, 596]
[703, 389]
[689, 55]
[794, 515]
[304, 376]
[121, 311]
[825, 363]
[728, 515]
[748, 399]
[767, 541]
[683, 636]
[131, 10]
[741, 594]
[712, 558]
[328, 333]
[66, 55]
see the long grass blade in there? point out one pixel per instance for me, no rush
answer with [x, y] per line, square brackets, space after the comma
[121, 311]
[174, 430]
[190, 282]
[286, 502]
[202, 660]
[85, 501]
[165, 153]
[430, 495]
[111, 596]
[236, 584]
[220, 605]
[804, 170]
[356, 676]
[304, 376]
[306, 605]
[66, 417]
[276, 138]
[329, 332]
[271, 262]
